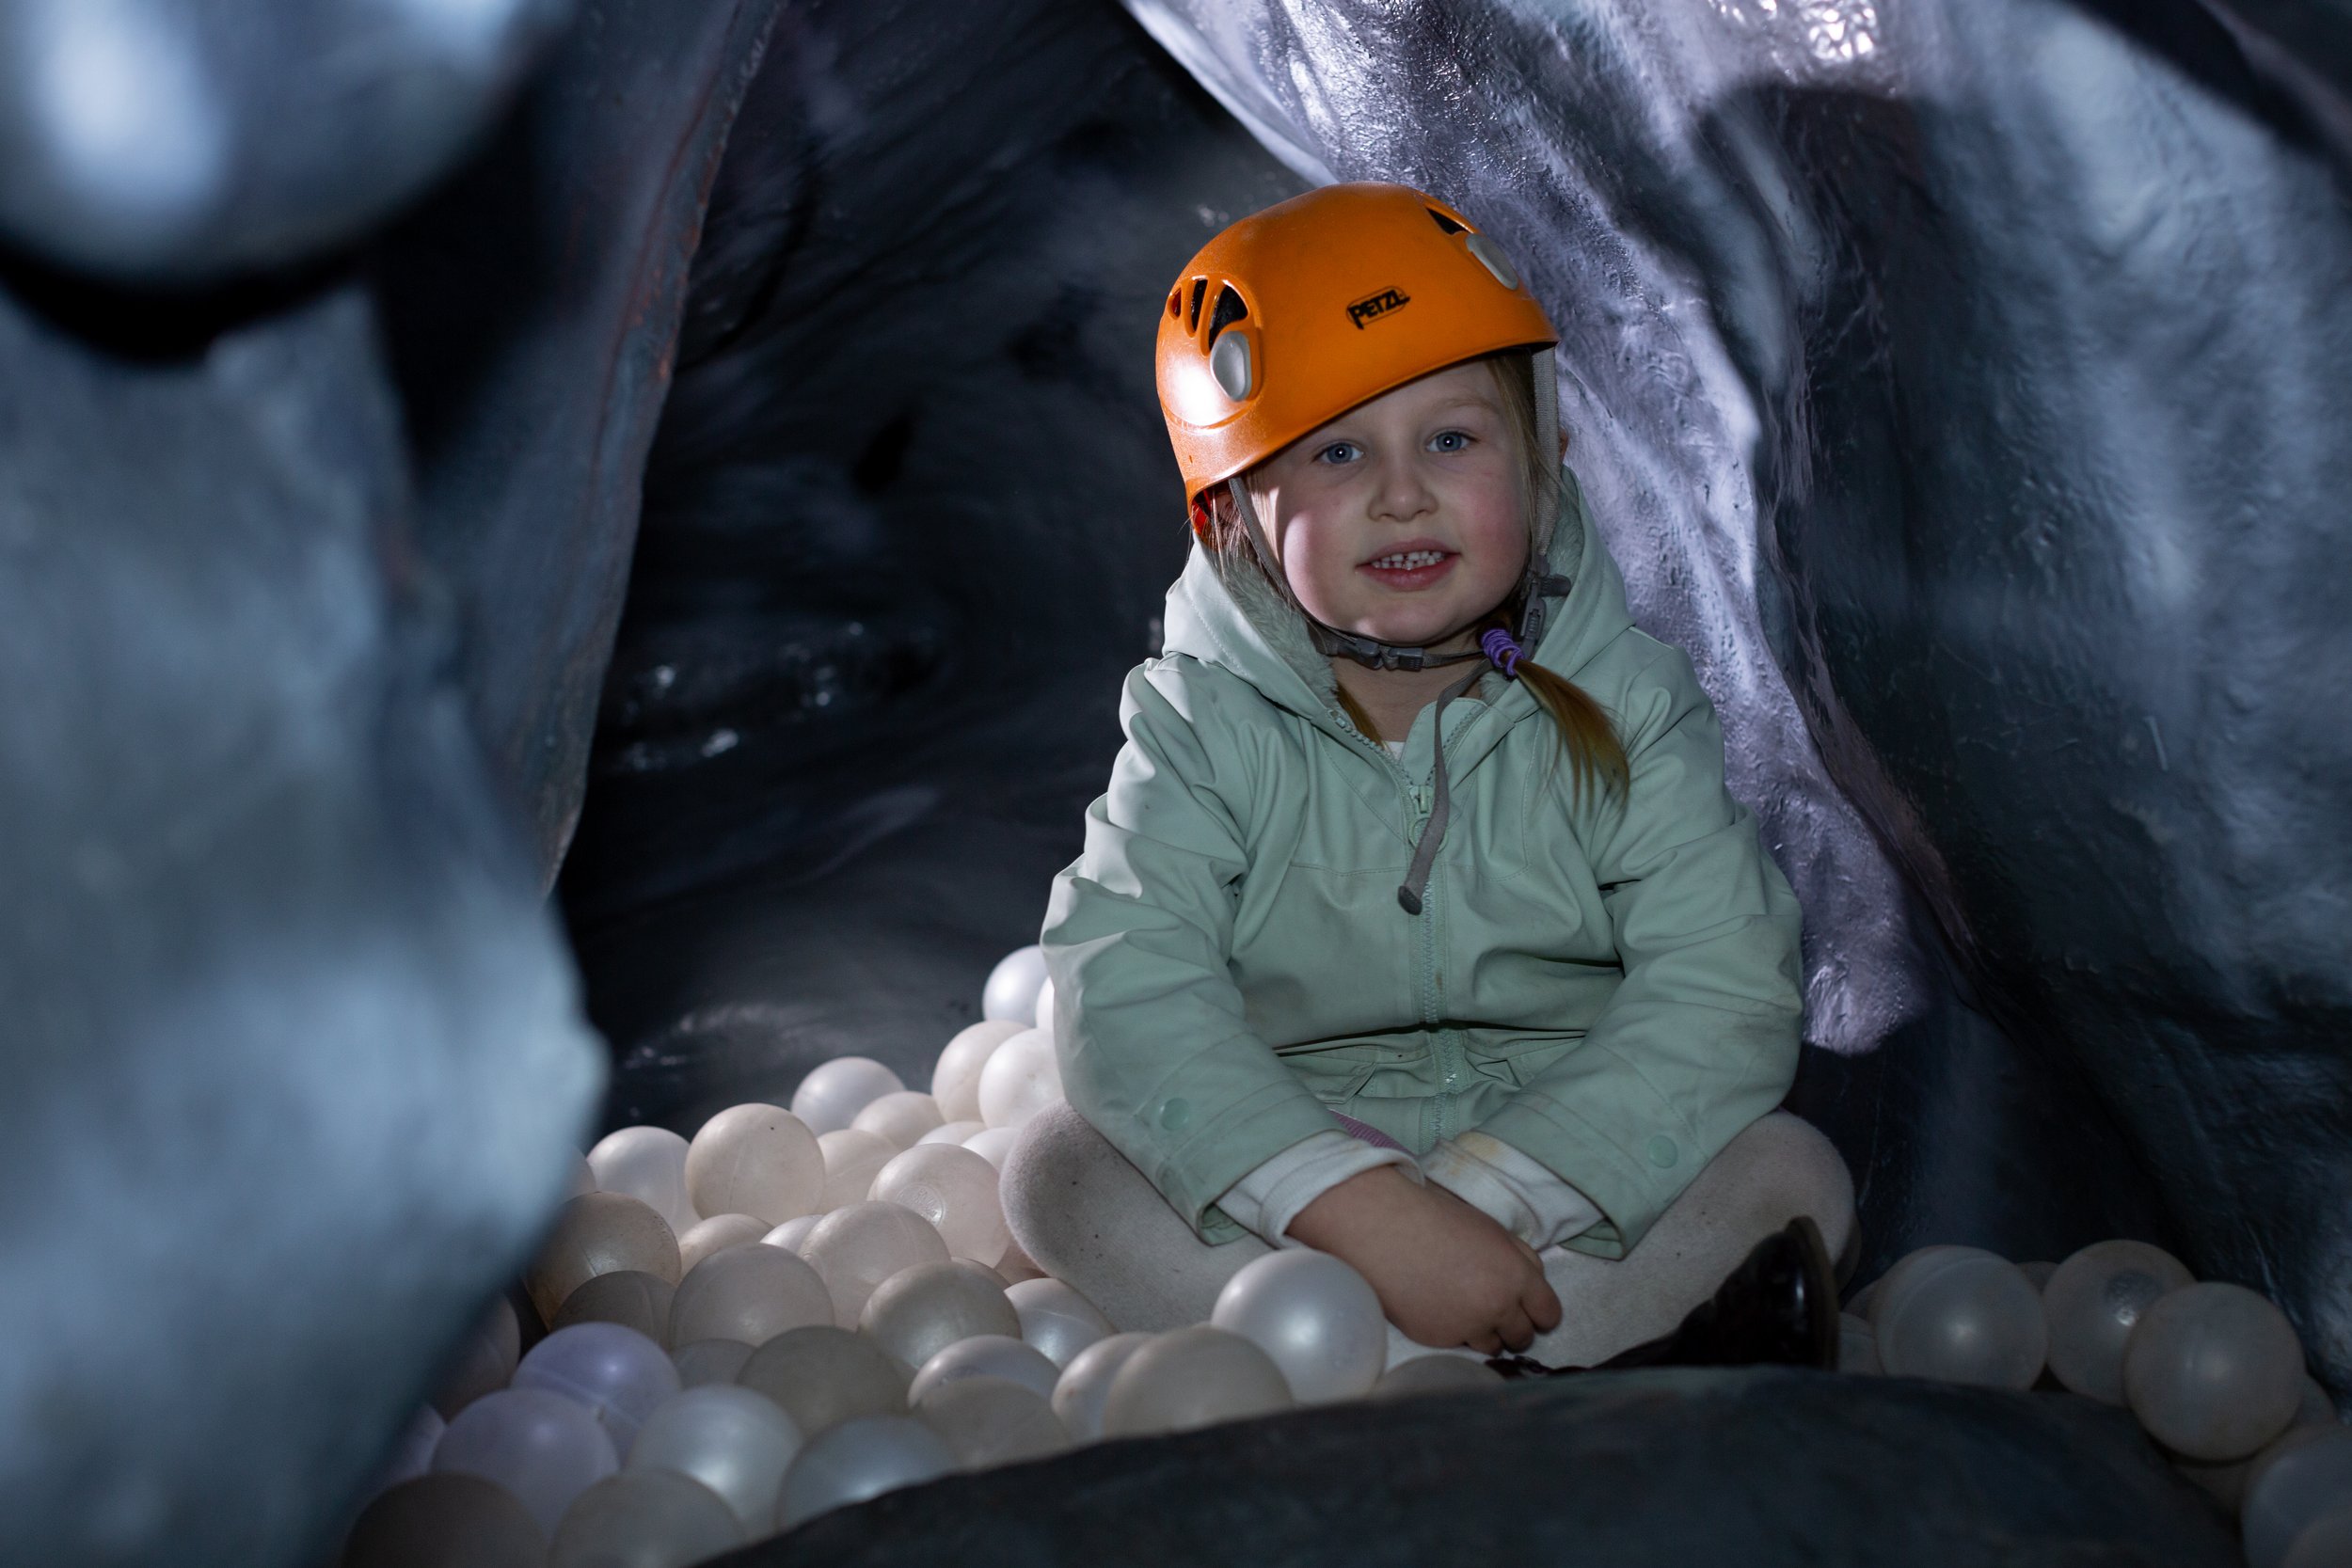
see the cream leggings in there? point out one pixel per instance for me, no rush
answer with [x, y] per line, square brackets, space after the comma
[1090, 1219]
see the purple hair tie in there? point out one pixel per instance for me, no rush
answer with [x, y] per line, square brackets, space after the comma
[1501, 650]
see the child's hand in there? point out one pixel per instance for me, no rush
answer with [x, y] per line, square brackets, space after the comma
[1445, 1272]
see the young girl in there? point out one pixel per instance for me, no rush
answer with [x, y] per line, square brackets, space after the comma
[1416, 924]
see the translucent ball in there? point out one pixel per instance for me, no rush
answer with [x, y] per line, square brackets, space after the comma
[445, 1521]
[956, 1190]
[2213, 1370]
[2324, 1543]
[1315, 1316]
[647, 1163]
[485, 1363]
[901, 1118]
[956, 1077]
[709, 1361]
[993, 1144]
[1045, 1005]
[1435, 1374]
[616, 1372]
[993, 1420]
[1012, 987]
[2305, 1479]
[718, 1233]
[833, 1092]
[644, 1519]
[1865, 1304]
[918, 1312]
[2037, 1273]
[792, 1234]
[2092, 1301]
[600, 1233]
[732, 1440]
[856, 1249]
[751, 1293]
[631, 1299]
[1192, 1377]
[1962, 1316]
[1086, 1383]
[823, 1376]
[1858, 1346]
[1020, 1080]
[756, 1160]
[543, 1448]
[853, 1160]
[986, 1355]
[1056, 1319]
[857, 1460]
[952, 1132]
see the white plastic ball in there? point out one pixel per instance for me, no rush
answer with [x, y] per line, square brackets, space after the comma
[856, 1249]
[732, 1440]
[599, 1233]
[1016, 1266]
[1435, 1374]
[413, 1450]
[581, 1179]
[857, 1460]
[993, 1144]
[986, 1355]
[1021, 1079]
[2304, 1480]
[1192, 1377]
[717, 1234]
[629, 1297]
[1010, 992]
[901, 1118]
[1056, 1320]
[918, 1312]
[993, 1420]
[853, 1160]
[543, 1448]
[1079, 1393]
[708, 1361]
[791, 1233]
[834, 1092]
[952, 1132]
[1316, 1316]
[755, 1159]
[956, 1076]
[485, 1363]
[1960, 1316]
[647, 1163]
[956, 1190]
[2213, 1370]
[1858, 1346]
[2093, 1300]
[644, 1519]
[616, 1372]
[823, 1376]
[750, 1294]
[1045, 1005]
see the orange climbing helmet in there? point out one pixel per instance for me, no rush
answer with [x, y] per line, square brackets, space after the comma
[1296, 314]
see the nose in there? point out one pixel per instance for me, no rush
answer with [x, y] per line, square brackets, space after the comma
[1400, 491]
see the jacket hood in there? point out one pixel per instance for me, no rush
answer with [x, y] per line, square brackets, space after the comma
[1236, 620]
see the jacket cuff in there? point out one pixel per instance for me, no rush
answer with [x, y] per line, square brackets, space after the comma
[1276, 1191]
[1522, 1194]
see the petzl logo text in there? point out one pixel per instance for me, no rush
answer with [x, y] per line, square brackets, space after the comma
[1373, 306]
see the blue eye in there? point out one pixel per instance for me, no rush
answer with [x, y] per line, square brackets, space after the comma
[1451, 440]
[1338, 452]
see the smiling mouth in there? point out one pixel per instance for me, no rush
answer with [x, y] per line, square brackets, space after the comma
[1407, 561]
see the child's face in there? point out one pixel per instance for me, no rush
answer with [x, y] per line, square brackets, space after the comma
[1401, 519]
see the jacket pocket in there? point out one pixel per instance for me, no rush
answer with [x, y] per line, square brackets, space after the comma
[1518, 1060]
[1340, 1071]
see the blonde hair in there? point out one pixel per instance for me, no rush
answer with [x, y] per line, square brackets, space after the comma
[1596, 756]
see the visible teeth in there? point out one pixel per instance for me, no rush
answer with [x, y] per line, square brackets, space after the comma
[1407, 560]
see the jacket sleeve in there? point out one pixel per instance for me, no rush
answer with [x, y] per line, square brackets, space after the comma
[1155, 1048]
[1701, 1036]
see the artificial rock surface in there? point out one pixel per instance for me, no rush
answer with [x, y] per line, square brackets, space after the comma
[1769, 1467]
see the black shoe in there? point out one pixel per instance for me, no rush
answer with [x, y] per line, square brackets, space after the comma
[1777, 1308]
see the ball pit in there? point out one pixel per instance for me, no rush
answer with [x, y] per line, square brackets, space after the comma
[853, 1316]
[1011, 992]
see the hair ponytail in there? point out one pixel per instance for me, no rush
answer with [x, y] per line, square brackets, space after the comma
[1596, 756]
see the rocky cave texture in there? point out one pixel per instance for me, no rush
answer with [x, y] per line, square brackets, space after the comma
[1960, 381]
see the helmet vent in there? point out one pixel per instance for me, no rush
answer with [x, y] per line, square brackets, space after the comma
[1496, 262]
[1445, 224]
[1229, 310]
[1199, 292]
[1229, 361]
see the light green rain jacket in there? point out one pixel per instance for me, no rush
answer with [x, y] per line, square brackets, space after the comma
[1609, 987]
